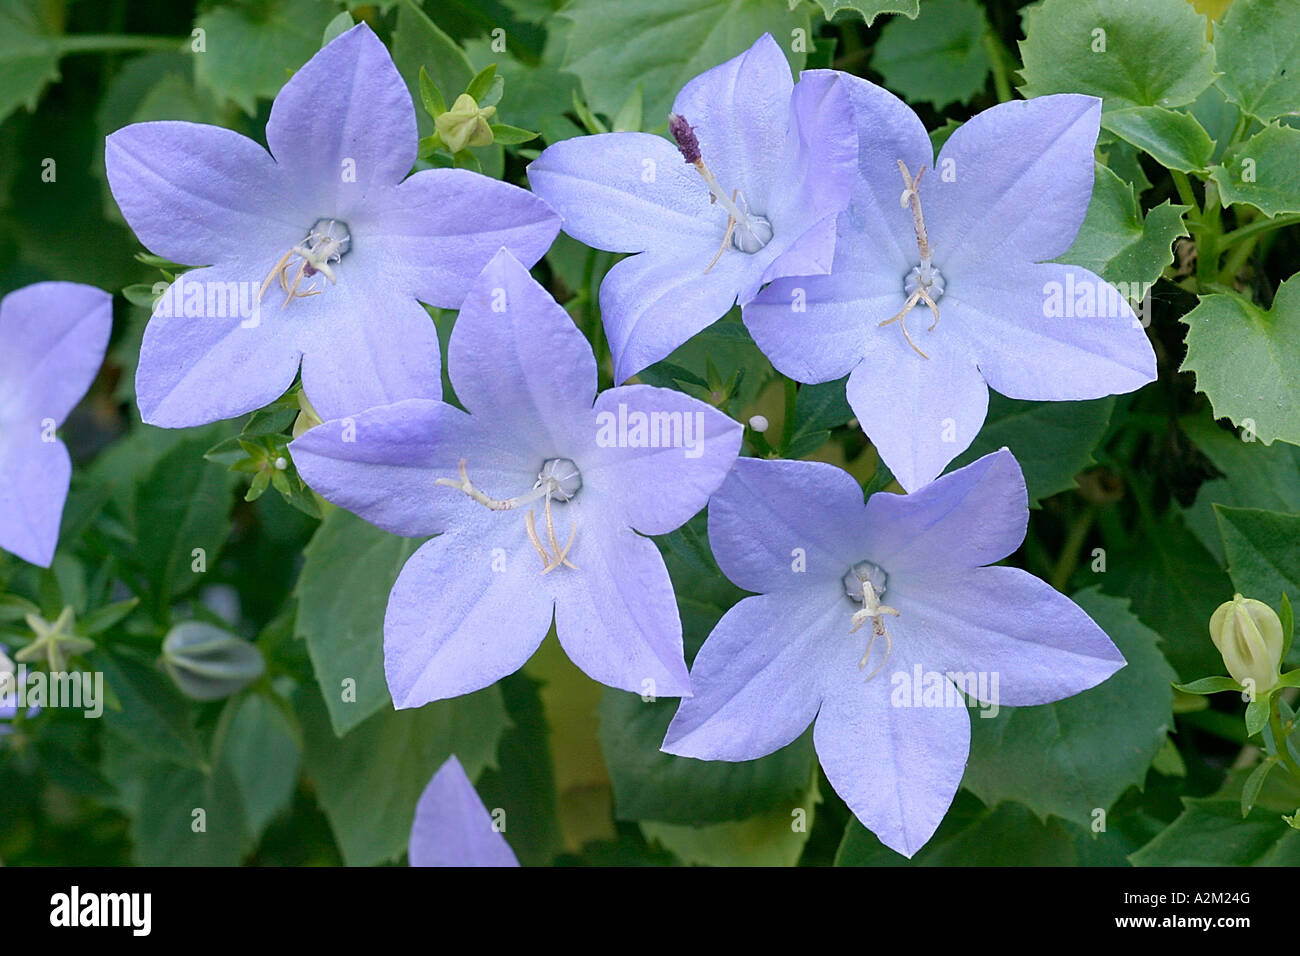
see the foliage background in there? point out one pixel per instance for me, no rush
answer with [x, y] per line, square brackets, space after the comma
[1183, 510]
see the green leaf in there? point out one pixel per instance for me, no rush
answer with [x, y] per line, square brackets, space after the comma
[1263, 551]
[1258, 45]
[368, 782]
[652, 785]
[868, 9]
[340, 25]
[1104, 47]
[775, 838]
[1250, 790]
[29, 57]
[182, 505]
[1255, 475]
[817, 410]
[189, 818]
[349, 568]
[1262, 172]
[1245, 360]
[1257, 716]
[430, 96]
[481, 84]
[147, 712]
[510, 135]
[1175, 586]
[248, 49]
[1211, 832]
[1174, 139]
[1076, 755]
[418, 43]
[261, 750]
[1210, 685]
[1118, 243]
[939, 58]
[971, 835]
[1053, 441]
[675, 41]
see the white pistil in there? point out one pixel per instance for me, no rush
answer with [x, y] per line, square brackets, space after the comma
[554, 482]
[865, 582]
[928, 282]
[327, 243]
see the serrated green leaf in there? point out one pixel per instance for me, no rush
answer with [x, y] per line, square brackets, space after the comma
[29, 58]
[938, 58]
[1263, 551]
[368, 782]
[1245, 360]
[971, 835]
[1263, 172]
[247, 50]
[1103, 47]
[342, 591]
[1258, 49]
[1053, 441]
[1118, 243]
[867, 9]
[1211, 832]
[1079, 754]
[1174, 139]
[675, 41]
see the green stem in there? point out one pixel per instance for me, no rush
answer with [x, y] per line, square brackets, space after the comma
[109, 43]
[1074, 539]
[787, 425]
[1257, 227]
[998, 53]
[1185, 192]
[1279, 739]
[1207, 245]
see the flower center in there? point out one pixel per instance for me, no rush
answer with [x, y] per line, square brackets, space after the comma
[558, 480]
[326, 244]
[924, 283]
[747, 231]
[864, 583]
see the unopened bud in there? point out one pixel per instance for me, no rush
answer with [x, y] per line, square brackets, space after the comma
[465, 124]
[207, 663]
[1248, 633]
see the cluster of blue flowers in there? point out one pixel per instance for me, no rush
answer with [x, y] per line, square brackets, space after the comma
[820, 208]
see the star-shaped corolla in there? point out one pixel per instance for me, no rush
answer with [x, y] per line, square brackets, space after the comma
[52, 341]
[537, 496]
[315, 253]
[873, 620]
[452, 826]
[769, 165]
[941, 289]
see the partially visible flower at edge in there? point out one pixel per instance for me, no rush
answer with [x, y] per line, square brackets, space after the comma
[452, 827]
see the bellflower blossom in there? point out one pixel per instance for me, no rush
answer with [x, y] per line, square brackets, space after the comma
[52, 341]
[452, 827]
[769, 165]
[315, 251]
[959, 253]
[535, 495]
[870, 620]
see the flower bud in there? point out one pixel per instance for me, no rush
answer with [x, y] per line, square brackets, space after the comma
[1248, 634]
[465, 124]
[207, 663]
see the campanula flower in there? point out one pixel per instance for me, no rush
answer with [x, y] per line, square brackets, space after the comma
[877, 622]
[52, 341]
[540, 496]
[768, 165]
[941, 286]
[315, 253]
[452, 826]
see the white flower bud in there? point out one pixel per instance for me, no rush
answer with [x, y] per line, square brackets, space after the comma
[1248, 634]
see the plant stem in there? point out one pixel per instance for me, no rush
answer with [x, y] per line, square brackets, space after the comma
[109, 43]
[1279, 739]
[1070, 551]
[1260, 225]
[787, 425]
[998, 53]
